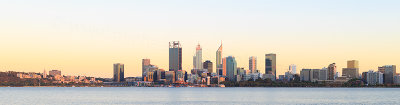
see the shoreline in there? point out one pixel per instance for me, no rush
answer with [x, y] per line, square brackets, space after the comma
[182, 87]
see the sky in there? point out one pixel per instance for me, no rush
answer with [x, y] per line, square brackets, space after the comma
[85, 37]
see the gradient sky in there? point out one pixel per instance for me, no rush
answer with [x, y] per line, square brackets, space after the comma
[85, 37]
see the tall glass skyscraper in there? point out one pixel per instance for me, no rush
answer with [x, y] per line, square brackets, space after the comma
[230, 68]
[175, 56]
[218, 62]
[118, 72]
[270, 64]
[197, 59]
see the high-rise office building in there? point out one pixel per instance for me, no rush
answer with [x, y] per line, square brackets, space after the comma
[352, 64]
[390, 72]
[229, 68]
[218, 62]
[208, 65]
[118, 72]
[270, 64]
[253, 64]
[292, 69]
[197, 59]
[352, 70]
[332, 71]
[175, 56]
[145, 65]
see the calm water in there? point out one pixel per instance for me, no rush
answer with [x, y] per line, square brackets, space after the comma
[202, 96]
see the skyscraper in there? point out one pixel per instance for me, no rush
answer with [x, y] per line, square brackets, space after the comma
[390, 72]
[292, 69]
[175, 56]
[331, 71]
[208, 65]
[270, 64]
[352, 64]
[145, 64]
[253, 64]
[218, 62]
[352, 70]
[197, 59]
[118, 72]
[230, 68]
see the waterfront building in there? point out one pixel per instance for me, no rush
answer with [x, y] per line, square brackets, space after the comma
[281, 77]
[323, 74]
[118, 72]
[208, 65]
[396, 79]
[150, 77]
[390, 72]
[332, 71]
[175, 56]
[218, 61]
[149, 68]
[55, 72]
[292, 69]
[306, 75]
[145, 64]
[364, 76]
[253, 64]
[241, 71]
[289, 76]
[315, 73]
[180, 75]
[198, 58]
[350, 72]
[229, 68]
[169, 77]
[272, 77]
[374, 78]
[270, 64]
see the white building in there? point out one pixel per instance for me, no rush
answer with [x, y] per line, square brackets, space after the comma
[197, 59]
[374, 78]
[292, 69]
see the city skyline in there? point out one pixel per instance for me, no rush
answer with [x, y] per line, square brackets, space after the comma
[84, 41]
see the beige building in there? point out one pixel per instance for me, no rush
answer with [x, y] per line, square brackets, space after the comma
[352, 64]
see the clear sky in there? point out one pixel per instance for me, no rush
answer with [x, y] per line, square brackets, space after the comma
[85, 37]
